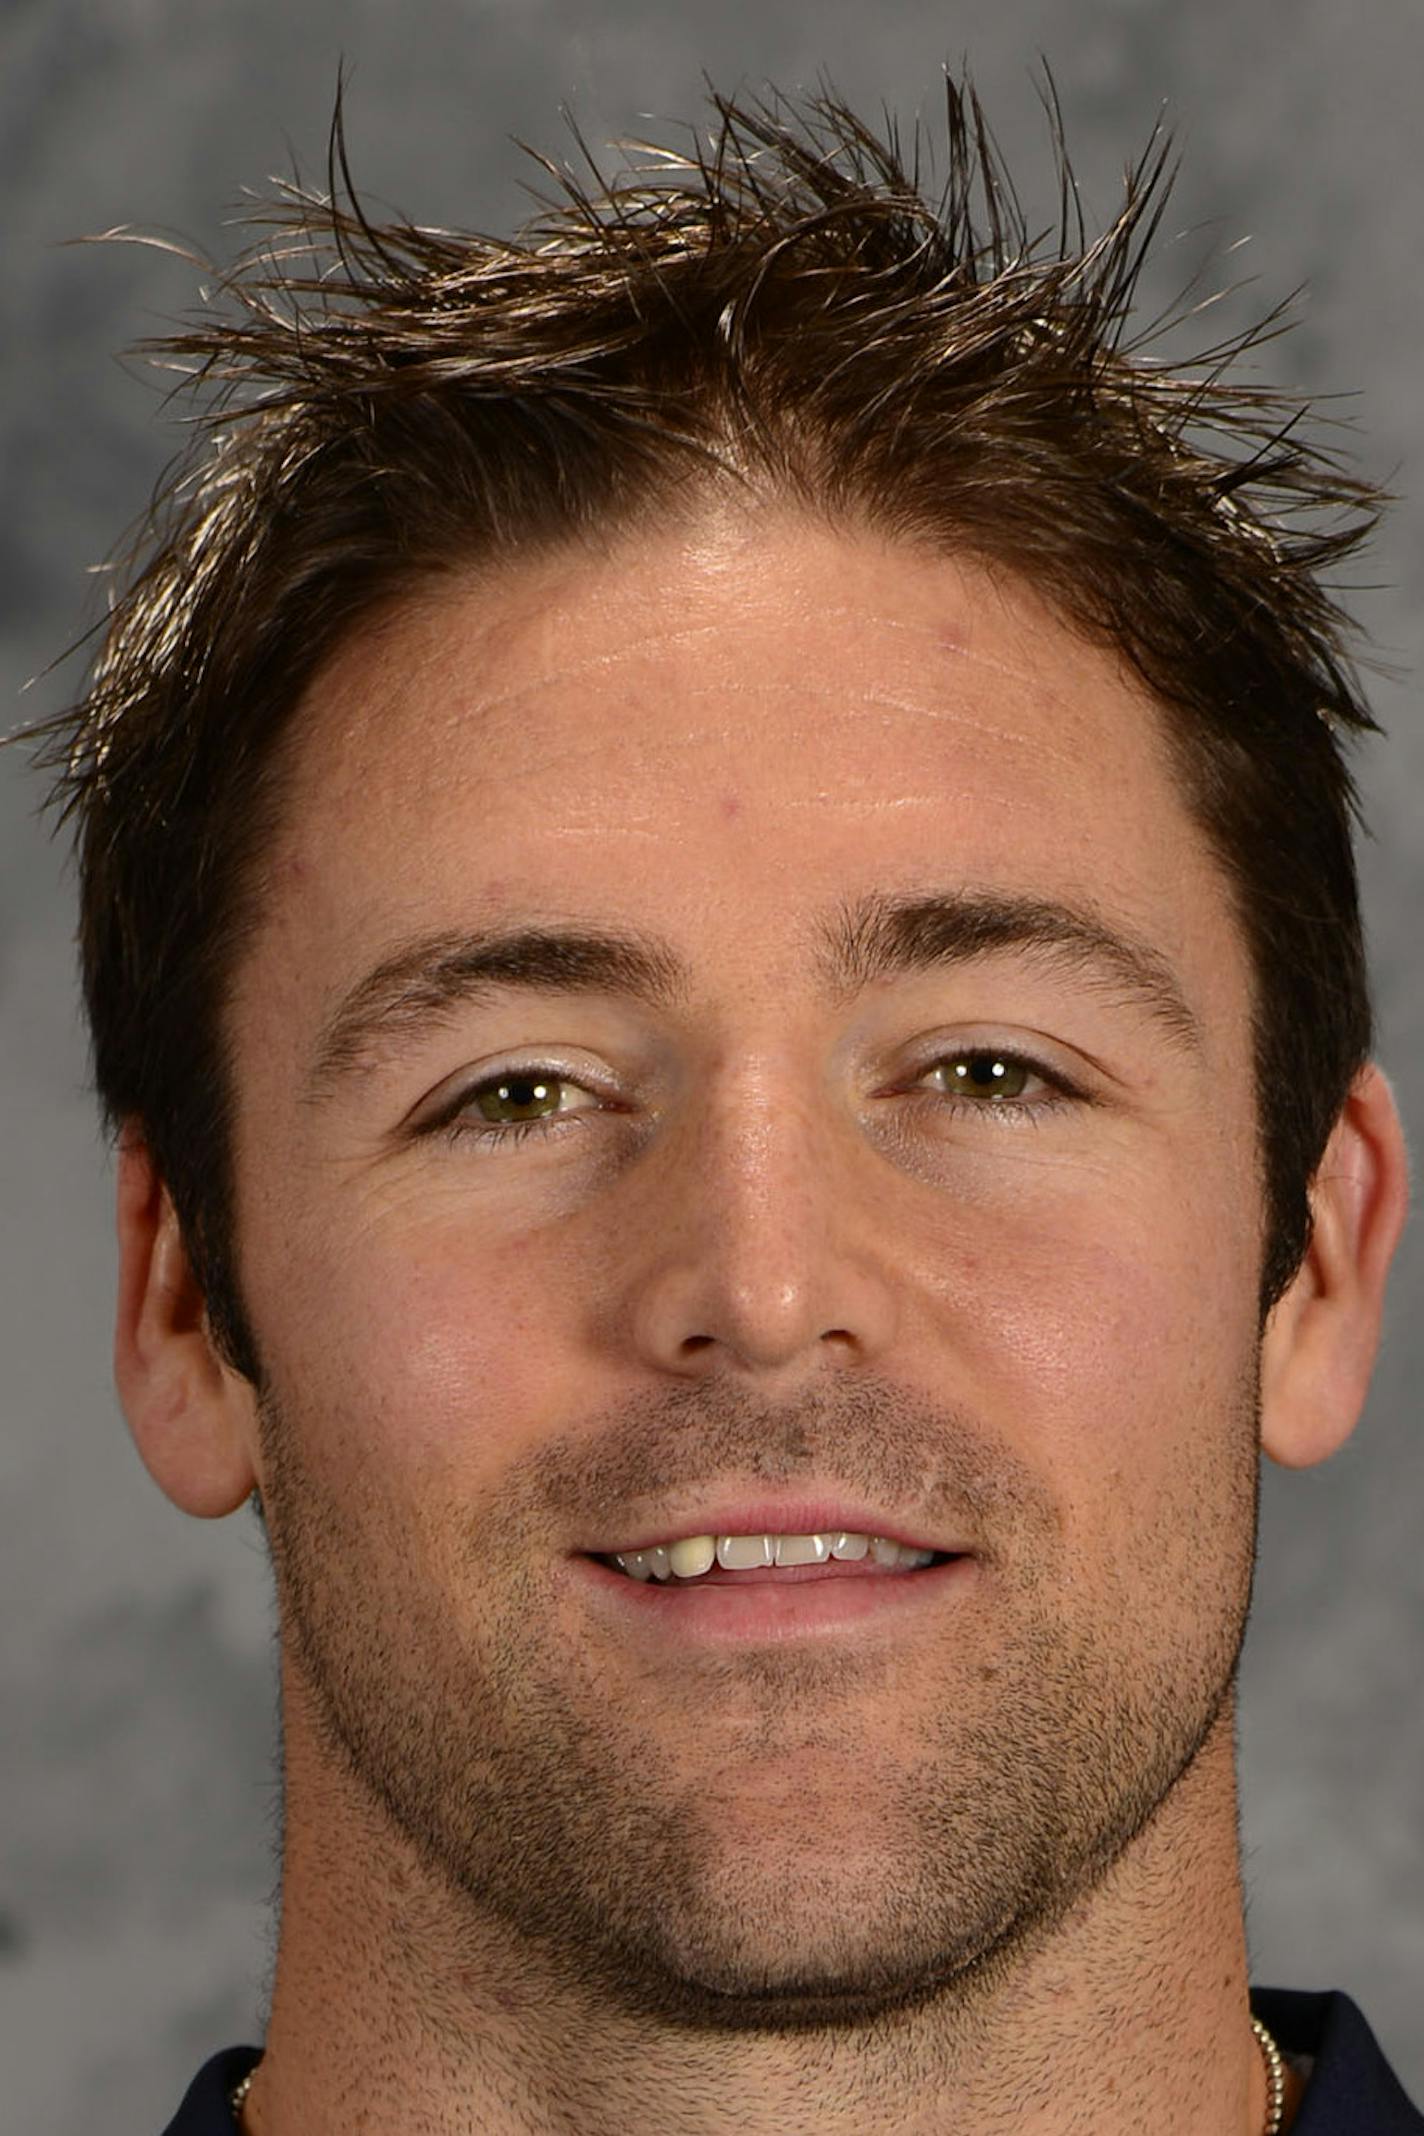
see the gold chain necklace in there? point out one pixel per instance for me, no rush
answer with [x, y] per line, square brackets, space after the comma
[1275, 2082]
[1275, 2079]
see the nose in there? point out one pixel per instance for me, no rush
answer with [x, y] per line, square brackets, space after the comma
[761, 1256]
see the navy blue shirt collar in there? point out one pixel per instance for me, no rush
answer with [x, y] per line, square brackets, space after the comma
[1352, 2089]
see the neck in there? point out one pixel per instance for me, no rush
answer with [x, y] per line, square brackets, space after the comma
[397, 2007]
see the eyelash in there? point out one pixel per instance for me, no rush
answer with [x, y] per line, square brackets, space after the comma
[458, 1123]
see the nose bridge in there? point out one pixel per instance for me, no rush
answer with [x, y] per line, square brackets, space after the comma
[757, 1260]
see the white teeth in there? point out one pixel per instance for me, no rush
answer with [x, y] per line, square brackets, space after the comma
[693, 1555]
[741, 1553]
[802, 1549]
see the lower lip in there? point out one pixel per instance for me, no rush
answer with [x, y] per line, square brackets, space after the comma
[804, 1602]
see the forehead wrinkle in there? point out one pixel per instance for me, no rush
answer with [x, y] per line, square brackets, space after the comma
[892, 706]
[1008, 805]
[847, 702]
[692, 635]
[591, 664]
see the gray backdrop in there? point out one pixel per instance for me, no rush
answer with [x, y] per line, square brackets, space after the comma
[139, 1796]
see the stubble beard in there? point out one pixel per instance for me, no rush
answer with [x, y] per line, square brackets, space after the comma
[639, 1876]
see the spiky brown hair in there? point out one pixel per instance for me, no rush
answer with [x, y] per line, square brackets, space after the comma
[783, 308]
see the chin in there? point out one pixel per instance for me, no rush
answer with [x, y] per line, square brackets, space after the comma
[764, 1956]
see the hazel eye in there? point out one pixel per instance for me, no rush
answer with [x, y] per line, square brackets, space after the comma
[981, 1075]
[512, 1099]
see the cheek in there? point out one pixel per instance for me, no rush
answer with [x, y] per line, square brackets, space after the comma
[429, 1355]
[1109, 1334]
[1123, 1377]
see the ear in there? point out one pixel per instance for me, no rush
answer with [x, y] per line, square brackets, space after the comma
[1321, 1337]
[193, 1419]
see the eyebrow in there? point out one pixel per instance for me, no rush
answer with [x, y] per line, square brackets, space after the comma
[423, 981]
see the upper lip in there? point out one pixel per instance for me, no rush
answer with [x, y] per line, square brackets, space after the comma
[802, 1515]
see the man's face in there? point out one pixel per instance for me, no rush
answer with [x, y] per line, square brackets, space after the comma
[805, 1085]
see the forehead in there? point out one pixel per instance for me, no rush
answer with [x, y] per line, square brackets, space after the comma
[725, 732]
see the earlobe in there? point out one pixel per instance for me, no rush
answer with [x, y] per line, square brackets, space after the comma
[191, 1417]
[1319, 1347]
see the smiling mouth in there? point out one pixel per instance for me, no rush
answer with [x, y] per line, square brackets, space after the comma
[737, 1560]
